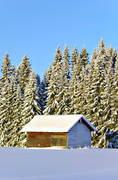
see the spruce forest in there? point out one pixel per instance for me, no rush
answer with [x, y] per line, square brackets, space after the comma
[73, 84]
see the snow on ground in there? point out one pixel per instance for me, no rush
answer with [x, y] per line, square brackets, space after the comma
[50, 164]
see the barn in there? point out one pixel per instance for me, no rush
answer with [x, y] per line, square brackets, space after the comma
[60, 131]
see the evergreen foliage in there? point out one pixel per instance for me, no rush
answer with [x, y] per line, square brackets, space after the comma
[48, 75]
[74, 56]
[31, 99]
[54, 84]
[72, 85]
[66, 63]
[42, 92]
[84, 57]
[12, 103]
[5, 104]
[6, 69]
[23, 72]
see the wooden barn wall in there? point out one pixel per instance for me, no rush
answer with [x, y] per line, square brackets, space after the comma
[79, 136]
[41, 139]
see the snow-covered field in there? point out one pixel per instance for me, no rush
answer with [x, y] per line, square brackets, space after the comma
[45, 164]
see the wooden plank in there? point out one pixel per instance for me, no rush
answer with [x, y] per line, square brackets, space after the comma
[46, 139]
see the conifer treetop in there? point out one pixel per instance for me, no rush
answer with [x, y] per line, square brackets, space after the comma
[94, 54]
[23, 72]
[101, 48]
[58, 56]
[6, 68]
[66, 54]
[84, 56]
[74, 55]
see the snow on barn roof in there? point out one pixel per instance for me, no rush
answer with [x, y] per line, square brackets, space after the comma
[55, 123]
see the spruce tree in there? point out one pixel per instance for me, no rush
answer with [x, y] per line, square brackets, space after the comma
[23, 72]
[74, 56]
[79, 99]
[19, 137]
[5, 103]
[12, 108]
[92, 87]
[58, 57]
[5, 119]
[63, 96]
[101, 62]
[12, 126]
[84, 57]
[66, 63]
[31, 106]
[54, 84]
[106, 96]
[6, 69]
[74, 84]
[99, 85]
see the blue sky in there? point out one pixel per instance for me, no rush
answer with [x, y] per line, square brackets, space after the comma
[37, 27]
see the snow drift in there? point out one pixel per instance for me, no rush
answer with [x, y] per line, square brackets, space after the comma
[48, 164]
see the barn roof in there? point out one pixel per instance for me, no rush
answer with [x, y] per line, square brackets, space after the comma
[54, 123]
